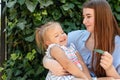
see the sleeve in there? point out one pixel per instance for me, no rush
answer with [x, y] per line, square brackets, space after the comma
[48, 50]
[72, 47]
[118, 69]
[74, 36]
[116, 56]
[51, 64]
[117, 59]
[48, 61]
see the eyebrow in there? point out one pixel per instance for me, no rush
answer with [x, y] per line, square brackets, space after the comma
[87, 14]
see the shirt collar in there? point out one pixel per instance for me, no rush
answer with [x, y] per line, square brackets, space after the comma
[86, 36]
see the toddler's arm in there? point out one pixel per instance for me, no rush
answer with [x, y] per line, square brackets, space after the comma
[67, 64]
[84, 67]
[54, 66]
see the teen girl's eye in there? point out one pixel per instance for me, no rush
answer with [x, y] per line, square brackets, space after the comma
[88, 16]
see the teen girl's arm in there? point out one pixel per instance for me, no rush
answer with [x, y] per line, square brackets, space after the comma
[68, 65]
[84, 67]
[107, 63]
[54, 66]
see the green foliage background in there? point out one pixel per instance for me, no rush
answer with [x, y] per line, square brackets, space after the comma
[23, 17]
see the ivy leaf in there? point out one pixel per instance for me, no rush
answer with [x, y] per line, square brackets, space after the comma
[31, 5]
[31, 55]
[117, 16]
[117, 8]
[14, 56]
[18, 72]
[21, 2]
[56, 14]
[44, 12]
[45, 3]
[11, 4]
[62, 1]
[99, 51]
[30, 38]
[21, 24]
[13, 13]
[68, 6]
[1, 69]
[39, 70]
[10, 72]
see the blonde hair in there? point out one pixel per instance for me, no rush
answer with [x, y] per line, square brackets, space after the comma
[40, 34]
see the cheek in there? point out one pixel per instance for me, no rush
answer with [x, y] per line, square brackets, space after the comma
[92, 23]
[65, 36]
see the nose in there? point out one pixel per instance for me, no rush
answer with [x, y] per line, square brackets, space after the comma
[62, 36]
[84, 21]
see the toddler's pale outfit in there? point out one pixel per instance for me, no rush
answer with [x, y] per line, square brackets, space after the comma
[70, 53]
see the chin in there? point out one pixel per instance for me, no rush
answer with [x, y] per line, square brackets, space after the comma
[89, 30]
[63, 44]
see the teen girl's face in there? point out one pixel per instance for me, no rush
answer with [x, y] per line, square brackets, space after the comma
[56, 35]
[88, 20]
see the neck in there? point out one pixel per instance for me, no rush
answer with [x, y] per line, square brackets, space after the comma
[92, 36]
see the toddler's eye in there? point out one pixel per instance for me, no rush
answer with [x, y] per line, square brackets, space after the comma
[56, 35]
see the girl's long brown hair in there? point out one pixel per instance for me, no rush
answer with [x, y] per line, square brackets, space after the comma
[105, 30]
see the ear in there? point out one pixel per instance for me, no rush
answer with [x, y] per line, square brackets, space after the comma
[47, 43]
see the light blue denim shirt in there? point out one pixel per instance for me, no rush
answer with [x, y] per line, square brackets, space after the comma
[79, 38]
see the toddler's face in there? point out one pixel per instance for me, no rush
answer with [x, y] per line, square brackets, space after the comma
[56, 35]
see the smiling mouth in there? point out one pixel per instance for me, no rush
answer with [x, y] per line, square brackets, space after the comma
[87, 26]
[63, 40]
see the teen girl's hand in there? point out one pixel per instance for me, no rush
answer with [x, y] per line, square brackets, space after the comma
[106, 60]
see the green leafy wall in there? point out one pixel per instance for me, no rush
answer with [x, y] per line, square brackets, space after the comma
[23, 17]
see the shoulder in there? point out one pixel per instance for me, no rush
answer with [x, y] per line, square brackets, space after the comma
[117, 39]
[78, 35]
[117, 43]
[52, 47]
[76, 32]
[48, 51]
[116, 53]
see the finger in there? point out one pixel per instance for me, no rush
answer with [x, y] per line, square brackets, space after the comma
[103, 64]
[105, 59]
[107, 55]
